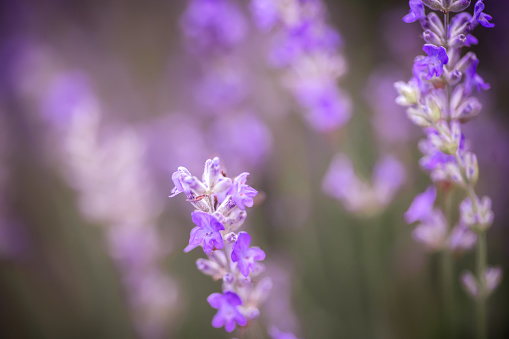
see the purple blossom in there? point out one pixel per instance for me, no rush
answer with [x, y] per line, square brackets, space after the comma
[432, 232]
[480, 17]
[242, 194]
[327, 108]
[462, 238]
[472, 79]
[265, 13]
[244, 255]
[213, 24]
[308, 37]
[388, 176]
[179, 178]
[206, 233]
[422, 205]
[433, 64]
[416, 12]
[228, 314]
[471, 40]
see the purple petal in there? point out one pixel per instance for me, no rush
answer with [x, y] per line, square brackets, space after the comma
[421, 206]
[215, 300]
[218, 320]
[258, 254]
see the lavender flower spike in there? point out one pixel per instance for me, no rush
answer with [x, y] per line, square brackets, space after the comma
[220, 211]
[228, 314]
[445, 85]
[207, 232]
[244, 255]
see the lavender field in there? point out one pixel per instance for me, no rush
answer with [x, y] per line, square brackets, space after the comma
[283, 169]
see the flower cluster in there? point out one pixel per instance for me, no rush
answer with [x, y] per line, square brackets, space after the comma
[306, 49]
[440, 99]
[220, 204]
[105, 168]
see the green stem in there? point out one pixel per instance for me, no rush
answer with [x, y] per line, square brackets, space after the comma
[481, 255]
[448, 291]
[448, 272]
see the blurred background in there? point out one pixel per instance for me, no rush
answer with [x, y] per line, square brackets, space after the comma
[101, 101]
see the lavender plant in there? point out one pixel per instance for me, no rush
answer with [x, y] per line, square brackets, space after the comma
[440, 99]
[307, 51]
[220, 210]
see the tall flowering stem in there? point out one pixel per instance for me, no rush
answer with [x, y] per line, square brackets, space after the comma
[220, 209]
[439, 98]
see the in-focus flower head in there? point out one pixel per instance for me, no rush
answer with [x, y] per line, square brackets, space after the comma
[433, 64]
[244, 255]
[228, 314]
[206, 233]
[242, 194]
[480, 17]
[416, 12]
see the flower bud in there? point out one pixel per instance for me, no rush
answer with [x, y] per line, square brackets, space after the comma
[436, 24]
[470, 284]
[227, 206]
[466, 62]
[432, 38]
[433, 109]
[459, 5]
[433, 4]
[479, 217]
[457, 41]
[211, 268]
[469, 109]
[408, 93]
[471, 167]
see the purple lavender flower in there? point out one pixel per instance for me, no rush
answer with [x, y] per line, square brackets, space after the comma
[244, 255]
[228, 314]
[462, 238]
[422, 205]
[327, 108]
[432, 232]
[480, 17]
[433, 64]
[307, 37]
[416, 12]
[206, 233]
[473, 80]
[492, 277]
[179, 177]
[242, 194]
[213, 24]
[265, 13]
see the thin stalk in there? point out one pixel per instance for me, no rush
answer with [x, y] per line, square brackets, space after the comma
[481, 255]
[447, 273]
